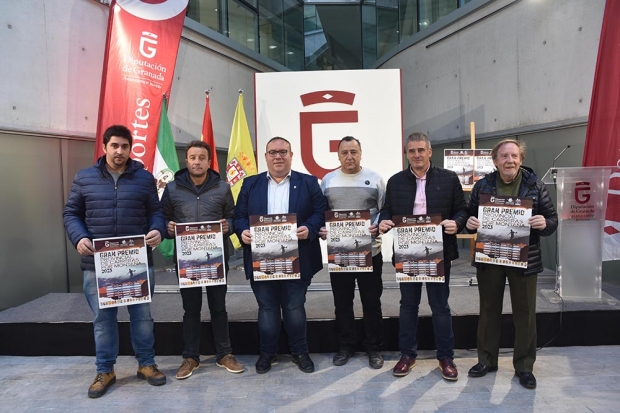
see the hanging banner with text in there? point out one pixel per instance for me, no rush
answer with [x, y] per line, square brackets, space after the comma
[138, 68]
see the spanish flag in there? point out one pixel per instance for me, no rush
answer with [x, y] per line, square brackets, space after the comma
[207, 134]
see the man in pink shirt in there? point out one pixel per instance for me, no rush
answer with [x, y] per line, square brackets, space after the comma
[426, 189]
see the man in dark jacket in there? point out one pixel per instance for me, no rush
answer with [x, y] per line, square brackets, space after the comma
[280, 191]
[116, 197]
[198, 194]
[426, 189]
[511, 179]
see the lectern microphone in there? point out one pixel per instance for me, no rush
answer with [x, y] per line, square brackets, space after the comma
[559, 154]
[554, 171]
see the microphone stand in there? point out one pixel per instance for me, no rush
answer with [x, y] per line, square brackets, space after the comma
[554, 171]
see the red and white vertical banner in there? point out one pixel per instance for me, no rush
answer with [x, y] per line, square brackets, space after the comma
[603, 134]
[140, 56]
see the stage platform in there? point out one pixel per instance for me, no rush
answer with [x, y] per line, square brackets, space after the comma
[60, 324]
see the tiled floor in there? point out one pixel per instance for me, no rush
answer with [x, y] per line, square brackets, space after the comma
[570, 379]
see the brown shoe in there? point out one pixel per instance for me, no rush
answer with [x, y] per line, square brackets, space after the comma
[187, 368]
[404, 366]
[448, 370]
[152, 375]
[101, 384]
[230, 363]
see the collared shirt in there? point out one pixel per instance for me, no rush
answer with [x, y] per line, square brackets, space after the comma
[419, 206]
[278, 195]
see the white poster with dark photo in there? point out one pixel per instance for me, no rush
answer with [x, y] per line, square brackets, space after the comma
[200, 254]
[121, 268]
[461, 162]
[349, 243]
[483, 164]
[418, 248]
[504, 232]
[275, 249]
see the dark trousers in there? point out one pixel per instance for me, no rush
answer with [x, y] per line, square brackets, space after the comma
[491, 286]
[370, 287]
[277, 300]
[192, 304]
[438, 293]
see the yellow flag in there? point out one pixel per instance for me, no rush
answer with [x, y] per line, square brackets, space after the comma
[241, 161]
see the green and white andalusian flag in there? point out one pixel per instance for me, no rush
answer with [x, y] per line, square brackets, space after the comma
[165, 165]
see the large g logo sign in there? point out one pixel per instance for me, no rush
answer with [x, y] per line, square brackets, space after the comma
[308, 119]
[582, 192]
[148, 51]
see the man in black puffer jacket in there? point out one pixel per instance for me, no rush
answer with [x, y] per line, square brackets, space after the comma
[511, 179]
[425, 189]
[198, 194]
[116, 197]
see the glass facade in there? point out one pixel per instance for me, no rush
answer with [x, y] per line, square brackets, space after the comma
[321, 34]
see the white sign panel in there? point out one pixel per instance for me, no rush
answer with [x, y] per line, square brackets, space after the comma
[314, 110]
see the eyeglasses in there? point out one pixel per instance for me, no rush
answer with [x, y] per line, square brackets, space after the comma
[281, 152]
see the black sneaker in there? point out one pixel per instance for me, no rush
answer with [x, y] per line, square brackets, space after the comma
[303, 362]
[342, 357]
[263, 365]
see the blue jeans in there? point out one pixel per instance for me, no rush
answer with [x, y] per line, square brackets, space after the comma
[106, 327]
[285, 297]
[438, 293]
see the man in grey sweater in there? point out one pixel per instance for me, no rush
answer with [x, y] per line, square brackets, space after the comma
[347, 188]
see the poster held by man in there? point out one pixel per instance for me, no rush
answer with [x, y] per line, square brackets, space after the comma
[121, 266]
[275, 249]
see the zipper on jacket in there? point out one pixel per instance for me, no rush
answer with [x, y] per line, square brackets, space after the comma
[116, 206]
[194, 191]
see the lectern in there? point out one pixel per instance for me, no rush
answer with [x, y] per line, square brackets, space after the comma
[581, 204]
